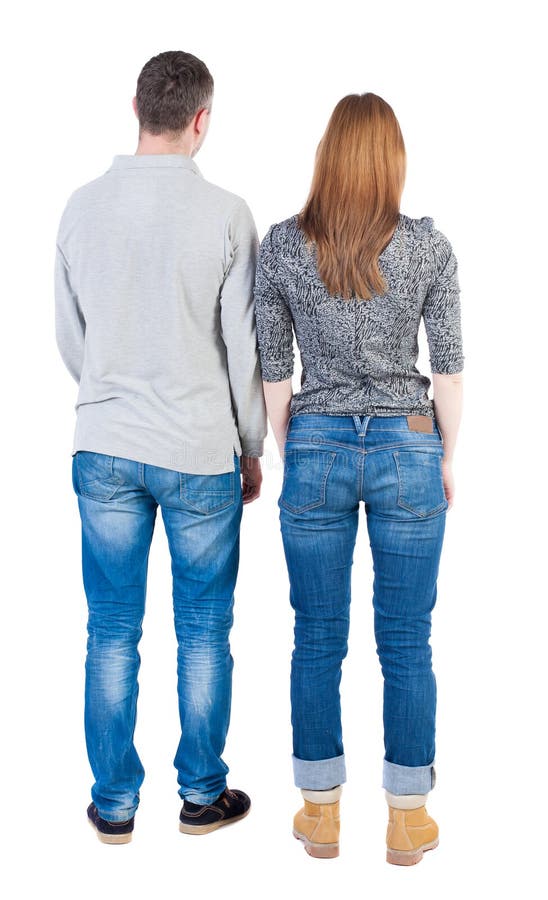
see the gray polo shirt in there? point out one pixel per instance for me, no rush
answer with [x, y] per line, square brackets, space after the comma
[154, 314]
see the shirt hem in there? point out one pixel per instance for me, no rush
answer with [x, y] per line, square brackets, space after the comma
[221, 466]
[365, 411]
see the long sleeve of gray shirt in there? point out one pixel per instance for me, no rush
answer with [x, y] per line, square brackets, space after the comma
[154, 316]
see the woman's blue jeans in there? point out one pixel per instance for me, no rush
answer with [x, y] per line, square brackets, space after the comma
[118, 499]
[331, 464]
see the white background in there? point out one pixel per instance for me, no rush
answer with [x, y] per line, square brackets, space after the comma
[464, 81]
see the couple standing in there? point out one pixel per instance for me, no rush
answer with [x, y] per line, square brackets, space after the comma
[178, 327]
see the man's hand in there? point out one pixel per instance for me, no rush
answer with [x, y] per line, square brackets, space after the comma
[251, 477]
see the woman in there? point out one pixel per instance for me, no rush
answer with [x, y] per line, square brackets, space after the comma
[353, 276]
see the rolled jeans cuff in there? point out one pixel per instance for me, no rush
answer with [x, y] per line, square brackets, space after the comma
[319, 774]
[201, 799]
[408, 779]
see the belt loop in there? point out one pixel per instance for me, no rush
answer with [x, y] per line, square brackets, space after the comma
[357, 423]
[366, 420]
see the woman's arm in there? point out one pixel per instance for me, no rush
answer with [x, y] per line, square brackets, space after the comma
[441, 312]
[448, 409]
[275, 338]
[277, 396]
[448, 390]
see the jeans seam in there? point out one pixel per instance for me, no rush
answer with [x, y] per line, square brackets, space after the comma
[361, 469]
[317, 445]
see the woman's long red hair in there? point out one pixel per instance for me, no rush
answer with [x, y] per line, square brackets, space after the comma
[353, 205]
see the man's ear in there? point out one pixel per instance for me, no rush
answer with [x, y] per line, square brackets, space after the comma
[134, 104]
[200, 121]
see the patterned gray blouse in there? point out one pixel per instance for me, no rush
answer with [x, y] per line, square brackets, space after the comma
[358, 356]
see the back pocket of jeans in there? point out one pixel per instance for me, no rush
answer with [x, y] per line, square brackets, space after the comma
[420, 482]
[96, 477]
[305, 478]
[207, 493]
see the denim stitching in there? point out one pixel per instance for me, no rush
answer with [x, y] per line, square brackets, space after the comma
[84, 485]
[430, 447]
[401, 486]
[310, 444]
[321, 501]
[361, 469]
[216, 496]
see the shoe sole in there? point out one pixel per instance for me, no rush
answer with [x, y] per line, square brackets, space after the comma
[409, 857]
[111, 838]
[318, 851]
[213, 826]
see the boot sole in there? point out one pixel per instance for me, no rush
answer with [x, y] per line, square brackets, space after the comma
[111, 838]
[409, 857]
[213, 826]
[318, 851]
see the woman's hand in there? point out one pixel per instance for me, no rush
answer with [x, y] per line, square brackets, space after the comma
[448, 481]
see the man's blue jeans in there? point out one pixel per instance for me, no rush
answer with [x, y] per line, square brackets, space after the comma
[331, 464]
[118, 499]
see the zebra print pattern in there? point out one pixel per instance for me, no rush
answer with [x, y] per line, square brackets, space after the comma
[358, 356]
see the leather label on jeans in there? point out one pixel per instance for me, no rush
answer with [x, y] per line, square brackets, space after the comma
[420, 423]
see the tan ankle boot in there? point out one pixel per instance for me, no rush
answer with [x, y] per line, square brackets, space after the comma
[318, 823]
[411, 831]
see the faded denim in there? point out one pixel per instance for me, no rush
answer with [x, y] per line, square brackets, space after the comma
[118, 499]
[332, 464]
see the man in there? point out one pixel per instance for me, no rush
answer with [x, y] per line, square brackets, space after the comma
[154, 319]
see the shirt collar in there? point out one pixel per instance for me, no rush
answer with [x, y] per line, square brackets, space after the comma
[155, 160]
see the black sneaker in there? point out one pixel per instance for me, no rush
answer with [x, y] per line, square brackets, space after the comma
[110, 832]
[230, 806]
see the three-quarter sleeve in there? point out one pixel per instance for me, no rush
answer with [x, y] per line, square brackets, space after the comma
[441, 309]
[273, 316]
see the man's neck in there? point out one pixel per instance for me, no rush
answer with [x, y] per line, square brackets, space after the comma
[151, 143]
